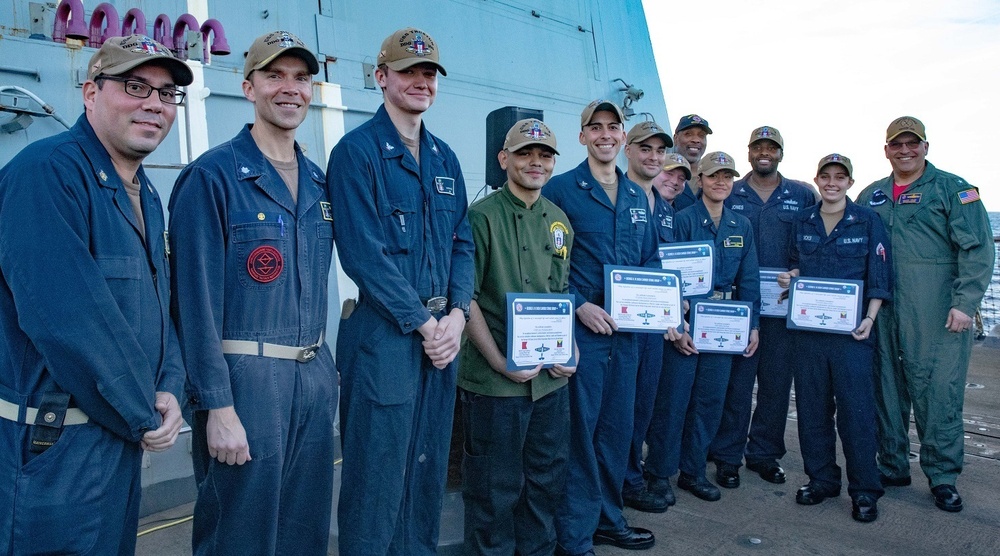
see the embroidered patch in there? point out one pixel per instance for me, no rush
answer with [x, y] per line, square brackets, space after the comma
[559, 231]
[733, 241]
[444, 186]
[968, 196]
[265, 264]
[327, 211]
[667, 221]
[638, 215]
[880, 251]
[878, 198]
[909, 198]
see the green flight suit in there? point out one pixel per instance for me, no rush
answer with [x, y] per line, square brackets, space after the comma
[943, 258]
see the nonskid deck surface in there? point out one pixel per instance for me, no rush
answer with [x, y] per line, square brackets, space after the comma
[759, 517]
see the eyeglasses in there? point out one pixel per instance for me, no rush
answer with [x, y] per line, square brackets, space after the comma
[897, 145]
[141, 89]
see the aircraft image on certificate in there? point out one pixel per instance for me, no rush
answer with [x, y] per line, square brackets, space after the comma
[721, 326]
[824, 305]
[539, 330]
[770, 292]
[643, 299]
[693, 259]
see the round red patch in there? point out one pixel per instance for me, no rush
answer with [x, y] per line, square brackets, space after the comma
[265, 264]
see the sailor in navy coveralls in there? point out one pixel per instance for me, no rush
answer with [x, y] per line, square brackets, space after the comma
[835, 373]
[403, 235]
[90, 369]
[252, 236]
[610, 216]
[692, 390]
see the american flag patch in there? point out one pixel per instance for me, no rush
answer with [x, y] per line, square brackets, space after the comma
[968, 196]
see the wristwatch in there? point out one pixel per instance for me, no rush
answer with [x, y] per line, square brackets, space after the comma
[463, 306]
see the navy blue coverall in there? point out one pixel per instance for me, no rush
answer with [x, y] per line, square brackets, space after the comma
[770, 364]
[403, 236]
[602, 392]
[691, 393]
[834, 373]
[84, 311]
[647, 379]
[251, 264]
[686, 198]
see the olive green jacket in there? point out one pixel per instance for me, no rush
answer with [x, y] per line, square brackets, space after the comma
[516, 251]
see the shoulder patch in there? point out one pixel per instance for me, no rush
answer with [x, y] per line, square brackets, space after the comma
[559, 232]
[968, 196]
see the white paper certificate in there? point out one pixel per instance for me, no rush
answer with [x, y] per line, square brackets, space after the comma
[769, 293]
[720, 326]
[539, 330]
[693, 260]
[643, 299]
[825, 305]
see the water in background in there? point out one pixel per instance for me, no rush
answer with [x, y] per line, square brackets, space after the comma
[991, 302]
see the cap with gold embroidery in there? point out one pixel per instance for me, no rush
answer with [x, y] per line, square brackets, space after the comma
[836, 159]
[905, 124]
[675, 160]
[409, 47]
[597, 106]
[119, 55]
[267, 48]
[644, 130]
[713, 162]
[692, 120]
[766, 132]
[529, 132]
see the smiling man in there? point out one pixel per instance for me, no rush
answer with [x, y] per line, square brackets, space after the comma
[400, 212]
[646, 150]
[611, 218]
[671, 180]
[690, 141]
[90, 369]
[942, 262]
[516, 422]
[770, 201]
[252, 239]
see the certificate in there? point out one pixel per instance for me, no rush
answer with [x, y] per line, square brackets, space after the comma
[824, 305]
[643, 299]
[693, 260]
[539, 330]
[721, 326]
[770, 292]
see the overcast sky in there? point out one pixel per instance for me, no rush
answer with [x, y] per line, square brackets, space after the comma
[831, 75]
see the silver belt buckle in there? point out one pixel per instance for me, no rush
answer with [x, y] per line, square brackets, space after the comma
[307, 353]
[437, 304]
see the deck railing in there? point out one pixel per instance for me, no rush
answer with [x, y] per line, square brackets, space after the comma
[989, 309]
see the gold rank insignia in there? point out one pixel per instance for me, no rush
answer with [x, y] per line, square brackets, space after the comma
[559, 231]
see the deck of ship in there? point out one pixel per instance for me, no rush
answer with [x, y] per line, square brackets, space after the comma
[759, 517]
